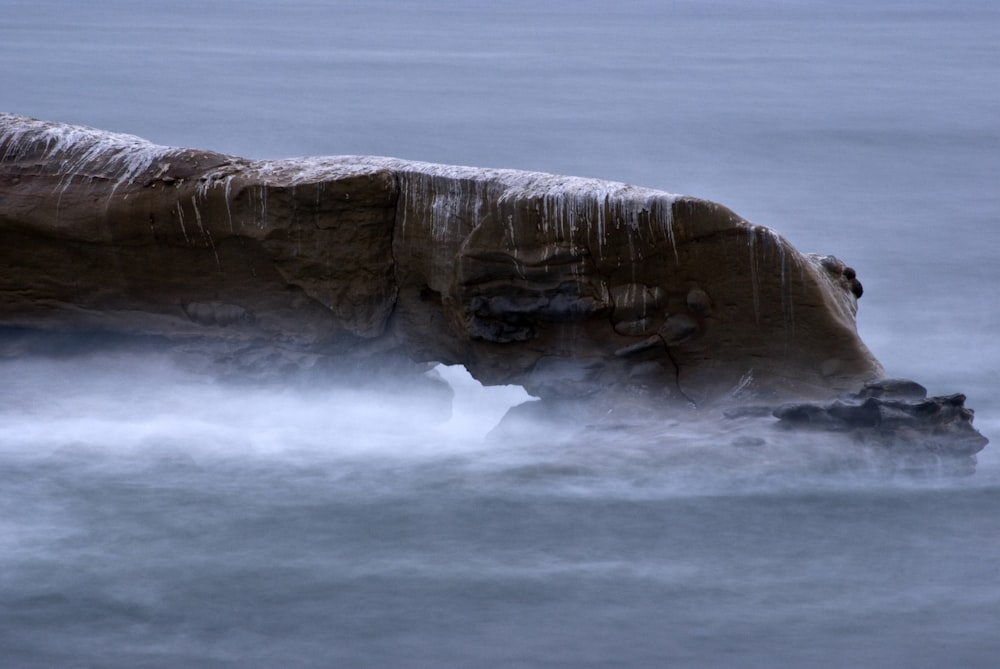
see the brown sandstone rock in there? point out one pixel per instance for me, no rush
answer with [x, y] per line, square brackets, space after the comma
[565, 285]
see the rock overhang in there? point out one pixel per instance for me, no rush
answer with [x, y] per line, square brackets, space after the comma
[567, 285]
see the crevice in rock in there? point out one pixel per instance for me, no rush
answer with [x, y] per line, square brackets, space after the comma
[677, 375]
[394, 300]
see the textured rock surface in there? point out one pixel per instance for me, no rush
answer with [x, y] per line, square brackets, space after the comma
[565, 285]
[892, 414]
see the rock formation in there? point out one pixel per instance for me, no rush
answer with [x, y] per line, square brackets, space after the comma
[894, 415]
[574, 288]
[567, 286]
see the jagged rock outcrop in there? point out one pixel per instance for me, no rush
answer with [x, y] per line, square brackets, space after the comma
[893, 414]
[565, 285]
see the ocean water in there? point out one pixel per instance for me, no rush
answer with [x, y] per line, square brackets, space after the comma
[154, 518]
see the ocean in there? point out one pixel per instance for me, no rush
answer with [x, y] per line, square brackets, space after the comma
[152, 517]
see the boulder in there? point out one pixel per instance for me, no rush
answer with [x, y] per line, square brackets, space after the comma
[568, 286]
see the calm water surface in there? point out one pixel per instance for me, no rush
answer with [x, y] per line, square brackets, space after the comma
[151, 518]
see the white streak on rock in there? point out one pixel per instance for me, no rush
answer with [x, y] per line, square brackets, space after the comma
[180, 217]
[754, 278]
[229, 197]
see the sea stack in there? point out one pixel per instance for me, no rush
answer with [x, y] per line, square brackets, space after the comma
[568, 286]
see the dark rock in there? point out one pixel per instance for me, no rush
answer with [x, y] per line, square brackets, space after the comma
[805, 413]
[941, 426]
[699, 302]
[903, 389]
[678, 328]
[865, 414]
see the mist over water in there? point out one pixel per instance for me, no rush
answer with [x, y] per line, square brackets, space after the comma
[151, 516]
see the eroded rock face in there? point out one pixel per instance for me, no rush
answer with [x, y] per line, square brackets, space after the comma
[567, 286]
